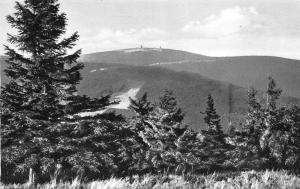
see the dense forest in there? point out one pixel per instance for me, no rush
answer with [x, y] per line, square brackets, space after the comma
[42, 132]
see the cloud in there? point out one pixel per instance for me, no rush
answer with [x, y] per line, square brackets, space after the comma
[233, 31]
[227, 22]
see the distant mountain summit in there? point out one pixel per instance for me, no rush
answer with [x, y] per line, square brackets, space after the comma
[141, 56]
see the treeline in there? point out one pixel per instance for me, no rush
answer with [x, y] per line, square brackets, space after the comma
[42, 131]
[157, 141]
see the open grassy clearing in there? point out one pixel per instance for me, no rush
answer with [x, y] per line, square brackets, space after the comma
[244, 180]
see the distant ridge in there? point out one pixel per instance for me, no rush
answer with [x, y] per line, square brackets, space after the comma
[141, 56]
[191, 76]
[243, 71]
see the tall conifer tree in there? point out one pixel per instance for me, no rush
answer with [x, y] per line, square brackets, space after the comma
[158, 127]
[42, 89]
[173, 115]
[214, 141]
[265, 131]
[273, 93]
[212, 119]
[247, 152]
[142, 107]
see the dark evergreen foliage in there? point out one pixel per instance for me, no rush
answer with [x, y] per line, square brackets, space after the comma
[42, 128]
[212, 119]
[273, 94]
[142, 107]
[249, 152]
[270, 136]
[41, 94]
[173, 115]
[214, 143]
[168, 102]
[189, 152]
[158, 131]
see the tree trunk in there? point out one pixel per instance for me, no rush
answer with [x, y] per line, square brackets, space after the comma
[31, 179]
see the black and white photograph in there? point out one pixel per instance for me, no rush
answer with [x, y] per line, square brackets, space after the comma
[142, 94]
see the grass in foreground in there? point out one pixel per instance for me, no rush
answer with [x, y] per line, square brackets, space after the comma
[244, 180]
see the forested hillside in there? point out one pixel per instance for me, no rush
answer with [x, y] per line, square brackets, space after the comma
[244, 71]
[57, 125]
[191, 89]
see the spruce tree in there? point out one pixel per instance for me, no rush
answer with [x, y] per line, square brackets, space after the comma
[142, 107]
[168, 102]
[214, 138]
[272, 122]
[212, 119]
[247, 152]
[41, 92]
[157, 132]
[270, 137]
[263, 134]
[280, 130]
[173, 115]
[273, 93]
[191, 152]
[95, 147]
[291, 158]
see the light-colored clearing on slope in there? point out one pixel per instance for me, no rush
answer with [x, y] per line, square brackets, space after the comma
[86, 114]
[100, 69]
[164, 63]
[179, 62]
[123, 99]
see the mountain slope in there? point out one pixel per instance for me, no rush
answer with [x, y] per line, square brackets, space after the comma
[248, 71]
[134, 73]
[243, 71]
[191, 89]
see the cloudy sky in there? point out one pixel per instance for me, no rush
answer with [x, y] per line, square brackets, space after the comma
[209, 27]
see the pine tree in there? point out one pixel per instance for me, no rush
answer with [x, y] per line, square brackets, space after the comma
[256, 146]
[280, 126]
[214, 138]
[157, 133]
[142, 107]
[270, 137]
[42, 91]
[254, 122]
[191, 152]
[95, 147]
[271, 122]
[212, 119]
[291, 157]
[281, 131]
[273, 93]
[247, 151]
[173, 114]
